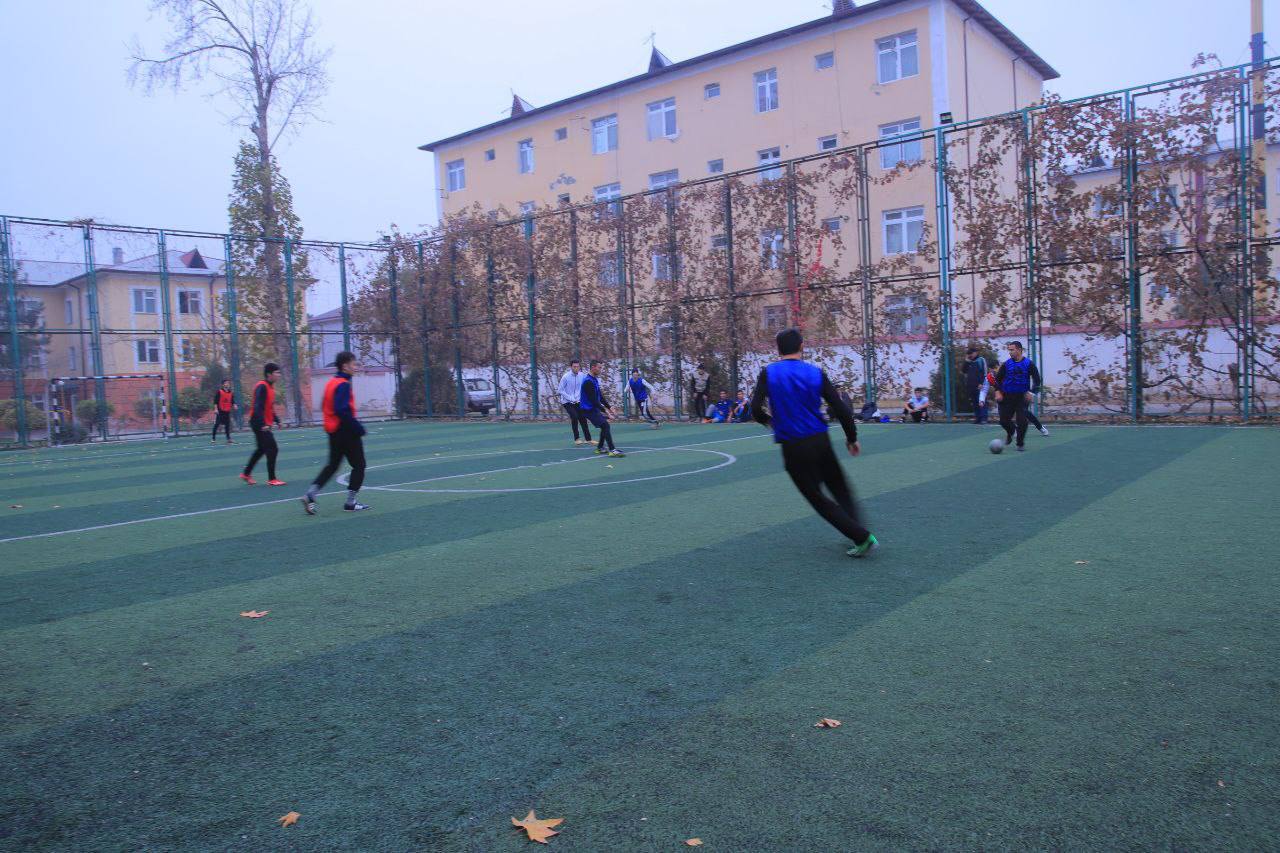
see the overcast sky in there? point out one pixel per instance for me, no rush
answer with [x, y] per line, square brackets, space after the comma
[77, 141]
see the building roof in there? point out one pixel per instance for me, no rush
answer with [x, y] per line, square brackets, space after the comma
[842, 13]
[39, 273]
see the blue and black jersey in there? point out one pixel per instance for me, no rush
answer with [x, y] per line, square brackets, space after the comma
[639, 389]
[794, 391]
[591, 398]
[1018, 377]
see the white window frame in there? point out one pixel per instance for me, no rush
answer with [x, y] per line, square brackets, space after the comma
[610, 272]
[905, 310]
[890, 52]
[772, 244]
[901, 220]
[773, 318]
[68, 312]
[662, 180]
[146, 346]
[716, 166]
[828, 143]
[769, 157]
[73, 358]
[153, 299]
[455, 175]
[524, 153]
[190, 294]
[910, 151]
[604, 134]
[662, 266]
[608, 194]
[766, 90]
[661, 119]
[528, 208]
[186, 350]
[825, 60]
[833, 224]
[711, 90]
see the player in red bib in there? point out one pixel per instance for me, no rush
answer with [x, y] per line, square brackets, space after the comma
[345, 435]
[262, 416]
[224, 401]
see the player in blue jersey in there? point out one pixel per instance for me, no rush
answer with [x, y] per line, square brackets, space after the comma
[596, 409]
[643, 392]
[1017, 381]
[788, 397]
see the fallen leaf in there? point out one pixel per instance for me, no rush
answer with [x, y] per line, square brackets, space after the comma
[57, 506]
[538, 830]
[1221, 784]
[290, 819]
[15, 506]
[254, 614]
[693, 842]
[1082, 562]
[826, 723]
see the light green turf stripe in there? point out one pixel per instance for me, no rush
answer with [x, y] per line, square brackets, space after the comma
[1028, 631]
[93, 662]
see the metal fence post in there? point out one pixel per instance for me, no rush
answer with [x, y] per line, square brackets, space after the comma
[233, 325]
[95, 333]
[574, 282]
[944, 269]
[293, 331]
[1032, 283]
[15, 339]
[1133, 278]
[732, 283]
[792, 255]
[393, 282]
[626, 307]
[456, 321]
[167, 321]
[342, 290]
[673, 275]
[490, 276]
[864, 268]
[426, 349]
[531, 289]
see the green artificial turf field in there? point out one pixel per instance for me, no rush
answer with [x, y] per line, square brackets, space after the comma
[1075, 647]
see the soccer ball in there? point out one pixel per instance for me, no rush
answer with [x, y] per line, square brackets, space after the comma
[996, 445]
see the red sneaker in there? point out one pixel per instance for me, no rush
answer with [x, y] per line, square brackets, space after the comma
[249, 480]
[276, 483]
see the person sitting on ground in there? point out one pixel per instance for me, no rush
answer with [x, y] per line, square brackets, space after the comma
[741, 412]
[718, 412]
[870, 412]
[917, 408]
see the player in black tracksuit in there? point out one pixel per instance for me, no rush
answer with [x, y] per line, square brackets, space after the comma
[262, 416]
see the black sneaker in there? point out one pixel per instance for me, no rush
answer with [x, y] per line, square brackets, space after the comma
[356, 507]
[1021, 448]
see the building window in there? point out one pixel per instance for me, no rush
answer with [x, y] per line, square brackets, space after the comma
[147, 351]
[823, 61]
[564, 198]
[711, 90]
[664, 337]
[190, 302]
[773, 318]
[562, 133]
[490, 154]
[662, 119]
[73, 363]
[145, 300]
[771, 248]
[903, 230]
[768, 157]
[609, 193]
[68, 312]
[715, 167]
[827, 143]
[907, 315]
[897, 57]
[528, 207]
[1158, 291]
[1107, 208]
[662, 180]
[719, 241]
[767, 90]
[604, 134]
[892, 156]
[456, 175]
[832, 225]
[610, 270]
[662, 266]
[186, 350]
[525, 149]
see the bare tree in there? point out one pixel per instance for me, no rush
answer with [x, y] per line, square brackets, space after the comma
[263, 57]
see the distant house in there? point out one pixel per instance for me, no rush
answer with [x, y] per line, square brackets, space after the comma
[375, 386]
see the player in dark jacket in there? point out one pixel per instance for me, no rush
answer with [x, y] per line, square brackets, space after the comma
[1017, 381]
[262, 417]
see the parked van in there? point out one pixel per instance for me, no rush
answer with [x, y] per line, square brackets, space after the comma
[480, 396]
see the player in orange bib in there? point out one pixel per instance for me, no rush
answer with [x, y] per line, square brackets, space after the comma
[262, 417]
[345, 435]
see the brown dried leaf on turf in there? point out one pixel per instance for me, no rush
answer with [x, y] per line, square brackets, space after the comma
[15, 506]
[254, 614]
[538, 830]
[693, 842]
[1082, 562]
[289, 819]
[827, 723]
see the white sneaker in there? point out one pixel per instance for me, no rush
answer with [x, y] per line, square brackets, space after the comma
[1043, 431]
